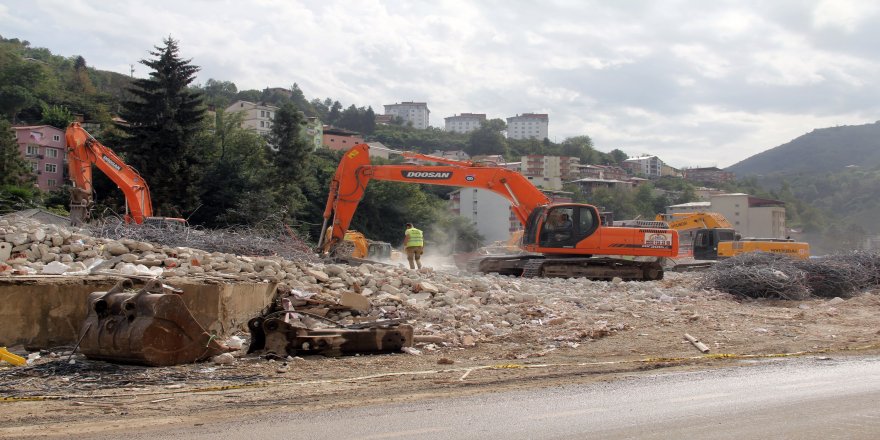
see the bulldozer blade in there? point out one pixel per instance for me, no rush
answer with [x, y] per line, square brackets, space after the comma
[148, 327]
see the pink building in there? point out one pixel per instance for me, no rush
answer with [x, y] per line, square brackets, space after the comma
[45, 148]
[340, 139]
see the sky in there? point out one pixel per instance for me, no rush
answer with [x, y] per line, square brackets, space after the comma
[697, 83]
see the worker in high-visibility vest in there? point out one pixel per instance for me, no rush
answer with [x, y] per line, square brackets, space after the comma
[414, 243]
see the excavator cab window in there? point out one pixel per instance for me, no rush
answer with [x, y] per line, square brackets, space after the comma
[566, 225]
[531, 228]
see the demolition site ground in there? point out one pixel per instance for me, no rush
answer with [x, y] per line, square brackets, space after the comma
[579, 331]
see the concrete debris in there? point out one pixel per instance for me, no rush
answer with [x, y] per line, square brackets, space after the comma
[446, 309]
[224, 359]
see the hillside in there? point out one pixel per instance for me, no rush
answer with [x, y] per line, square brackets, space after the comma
[822, 150]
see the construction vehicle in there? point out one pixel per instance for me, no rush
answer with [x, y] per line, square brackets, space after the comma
[719, 243]
[710, 236]
[83, 151]
[362, 247]
[561, 240]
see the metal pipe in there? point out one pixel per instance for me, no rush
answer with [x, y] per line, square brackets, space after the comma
[512, 195]
[322, 233]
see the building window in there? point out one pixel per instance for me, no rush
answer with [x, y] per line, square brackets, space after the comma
[35, 166]
[33, 150]
[51, 182]
[51, 168]
[52, 152]
[262, 124]
[56, 138]
[262, 113]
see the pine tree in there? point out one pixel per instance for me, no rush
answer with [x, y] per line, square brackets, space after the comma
[162, 122]
[291, 156]
[14, 170]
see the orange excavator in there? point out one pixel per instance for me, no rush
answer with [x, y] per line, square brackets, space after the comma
[561, 240]
[83, 150]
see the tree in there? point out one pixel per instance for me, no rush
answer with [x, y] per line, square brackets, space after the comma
[162, 122]
[291, 155]
[219, 93]
[617, 156]
[335, 113]
[56, 116]
[488, 139]
[14, 169]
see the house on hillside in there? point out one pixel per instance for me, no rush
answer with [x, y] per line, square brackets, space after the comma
[45, 148]
[336, 138]
[713, 175]
[257, 116]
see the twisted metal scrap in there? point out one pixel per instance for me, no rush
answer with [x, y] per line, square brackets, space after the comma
[758, 275]
[867, 261]
[267, 239]
[829, 277]
[763, 275]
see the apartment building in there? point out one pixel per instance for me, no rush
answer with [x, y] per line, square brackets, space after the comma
[528, 126]
[415, 113]
[648, 166]
[549, 172]
[492, 213]
[608, 172]
[465, 122]
[313, 132]
[45, 148]
[257, 117]
[750, 216]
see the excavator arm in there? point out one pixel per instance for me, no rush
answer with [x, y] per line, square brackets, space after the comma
[355, 172]
[83, 151]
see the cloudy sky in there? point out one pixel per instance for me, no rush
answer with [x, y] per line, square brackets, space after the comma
[699, 83]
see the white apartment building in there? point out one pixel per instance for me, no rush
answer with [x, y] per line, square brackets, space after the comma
[465, 122]
[648, 166]
[489, 211]
[416, 113]
[528, 126]
[256, 116]
[549, 172]
[750, 216]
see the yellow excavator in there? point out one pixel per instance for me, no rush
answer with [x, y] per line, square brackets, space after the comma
[714, 238]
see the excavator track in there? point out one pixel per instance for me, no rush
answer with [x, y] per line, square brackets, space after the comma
[591, 268]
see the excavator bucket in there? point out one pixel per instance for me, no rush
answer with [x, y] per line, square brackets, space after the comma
[151, 327]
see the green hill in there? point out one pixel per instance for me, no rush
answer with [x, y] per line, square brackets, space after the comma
[819, 151]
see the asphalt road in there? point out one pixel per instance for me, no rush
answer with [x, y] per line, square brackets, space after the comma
[806, 398]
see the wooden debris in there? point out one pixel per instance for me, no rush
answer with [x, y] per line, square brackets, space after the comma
[700, 346]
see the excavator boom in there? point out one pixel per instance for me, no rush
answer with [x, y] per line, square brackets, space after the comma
[83, 151]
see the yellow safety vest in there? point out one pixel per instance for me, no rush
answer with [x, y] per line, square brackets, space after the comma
[415, 237]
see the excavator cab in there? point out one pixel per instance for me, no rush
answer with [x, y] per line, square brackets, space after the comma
[561, 226]
[706, 242]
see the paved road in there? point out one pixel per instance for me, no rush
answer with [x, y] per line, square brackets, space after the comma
[785, 399]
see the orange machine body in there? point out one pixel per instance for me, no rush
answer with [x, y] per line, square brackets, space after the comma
[529, 204]
[83, 151]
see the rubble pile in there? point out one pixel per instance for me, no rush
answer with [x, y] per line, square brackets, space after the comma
[270, 238]
[463, 310]
[34, 248]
